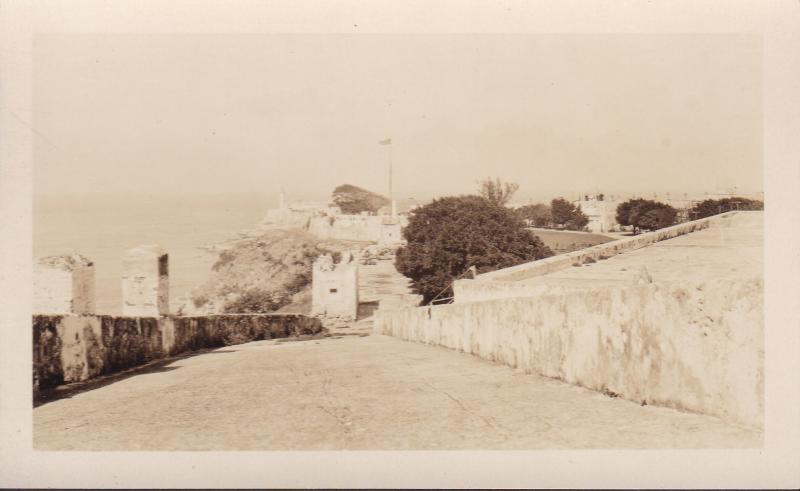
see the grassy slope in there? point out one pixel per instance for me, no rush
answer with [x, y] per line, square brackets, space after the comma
[565, 241]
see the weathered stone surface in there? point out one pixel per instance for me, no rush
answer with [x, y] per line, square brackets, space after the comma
[71, 348]
[694, 346]
[63, 285]
[335, 288]
[130, 341]
[145, 281]
[47, 370]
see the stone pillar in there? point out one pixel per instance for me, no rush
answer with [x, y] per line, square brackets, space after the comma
[394, 208]
[63, 285]
[145, 282]
[334, 290]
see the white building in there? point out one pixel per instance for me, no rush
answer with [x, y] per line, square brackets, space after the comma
[601, 211]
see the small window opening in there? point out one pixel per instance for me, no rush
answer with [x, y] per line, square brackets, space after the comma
[333, 290]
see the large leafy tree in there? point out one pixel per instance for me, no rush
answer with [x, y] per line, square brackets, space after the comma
[567, 215]
[645, 214]
[448, 236]
[625, 211]
[539, 214]
[657, 217]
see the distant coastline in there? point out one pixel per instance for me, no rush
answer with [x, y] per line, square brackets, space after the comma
[103, 226]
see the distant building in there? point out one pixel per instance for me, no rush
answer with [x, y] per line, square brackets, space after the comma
[601, 212]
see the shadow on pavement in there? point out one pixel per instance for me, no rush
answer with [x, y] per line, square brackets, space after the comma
[366, 309]
[157, 366]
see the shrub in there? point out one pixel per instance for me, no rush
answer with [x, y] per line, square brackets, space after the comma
[200, 300]
[252, 301]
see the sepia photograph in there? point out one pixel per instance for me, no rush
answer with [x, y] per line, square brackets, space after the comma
[388, 240]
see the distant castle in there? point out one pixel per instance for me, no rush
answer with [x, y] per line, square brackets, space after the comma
[327, 221]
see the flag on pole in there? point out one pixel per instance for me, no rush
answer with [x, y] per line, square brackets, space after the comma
[387, 141]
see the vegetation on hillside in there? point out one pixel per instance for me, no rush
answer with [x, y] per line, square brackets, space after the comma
[560, 241]
[261, 274]
[353, 200]
[450, 235]
[645, 214]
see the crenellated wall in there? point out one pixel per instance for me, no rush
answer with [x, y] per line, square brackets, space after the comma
[73, 348]
[63, 285]
[145, 281]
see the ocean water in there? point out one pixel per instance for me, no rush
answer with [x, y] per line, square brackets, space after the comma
[103, 227]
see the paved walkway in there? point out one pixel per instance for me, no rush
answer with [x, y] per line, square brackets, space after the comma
[358, 392]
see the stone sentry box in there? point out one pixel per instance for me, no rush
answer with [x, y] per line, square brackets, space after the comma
[335, 288]
[63, 285]
[145, 282]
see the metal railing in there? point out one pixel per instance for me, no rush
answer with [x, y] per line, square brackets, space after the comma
[445, 300]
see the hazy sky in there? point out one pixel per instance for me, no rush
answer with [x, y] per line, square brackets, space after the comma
[556, 113]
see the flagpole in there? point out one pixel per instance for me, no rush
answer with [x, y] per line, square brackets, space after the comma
[388, 141]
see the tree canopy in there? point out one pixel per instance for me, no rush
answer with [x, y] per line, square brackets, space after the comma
[497, 191]
[353, 200]
[645, 214]
[448, 236]
[711, 207]
[567, 215]
[538, 215]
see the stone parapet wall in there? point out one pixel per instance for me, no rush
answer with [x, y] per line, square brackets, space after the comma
[696, 347]
[500, 283]
[73, 348]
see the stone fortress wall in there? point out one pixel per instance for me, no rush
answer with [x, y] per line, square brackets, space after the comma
[383, 230]
[74, 348]
[71, 344]
[694, 343]
[327, 222]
